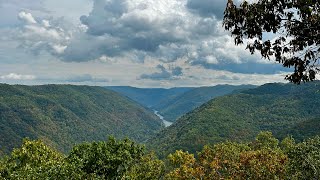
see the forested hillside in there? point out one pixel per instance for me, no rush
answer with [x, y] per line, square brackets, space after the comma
[148, 97]
[175, 102]
[284, 109]
[62, 115]
[174, 107]
[264, 158]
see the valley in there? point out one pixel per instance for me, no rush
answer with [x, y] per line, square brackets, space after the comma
[166, 123]
[173, 103]
[64, 115]
[80, 125]
[160, 90]
[283, 109]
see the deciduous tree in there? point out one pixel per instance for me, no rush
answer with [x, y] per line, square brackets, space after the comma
[296, 25]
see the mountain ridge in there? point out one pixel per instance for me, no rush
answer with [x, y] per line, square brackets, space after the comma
[148, 97]
[279, 108]
[175, 107]
[174, 102]
[63, 115]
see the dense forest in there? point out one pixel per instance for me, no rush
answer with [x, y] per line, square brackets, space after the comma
[173, 107]
[263, 158]
[284, 109]
[62, 115]
[268, 132]
[223, 132]
[175, 102]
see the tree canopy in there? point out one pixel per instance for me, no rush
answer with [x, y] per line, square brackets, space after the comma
[263, 158]
[296, 25]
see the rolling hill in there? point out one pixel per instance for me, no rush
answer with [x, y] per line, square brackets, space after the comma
[284, 109]
[148, 97]
[63, 115]
[174, 107]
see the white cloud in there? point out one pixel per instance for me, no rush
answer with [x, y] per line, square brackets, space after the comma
[166, 73]
[27, 17]
[166, 30]
[46, 23]
[14, 76]
[59, 49]
[47, 36]
[123, 41]
[40, 32]
[212, 60]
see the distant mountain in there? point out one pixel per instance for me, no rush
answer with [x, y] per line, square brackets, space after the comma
[174, 107]
[284, 109]
[63, 115]
[148, 97]
[175, 102]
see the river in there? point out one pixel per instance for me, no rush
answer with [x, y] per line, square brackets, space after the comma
[166, 123]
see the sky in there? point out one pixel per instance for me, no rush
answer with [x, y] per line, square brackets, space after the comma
[142, 43]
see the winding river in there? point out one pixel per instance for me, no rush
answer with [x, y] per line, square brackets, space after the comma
[166, 123]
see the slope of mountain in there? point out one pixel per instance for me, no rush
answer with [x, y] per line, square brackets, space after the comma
[63, 115]
[176, 106]
[281, 108]
[148, 97]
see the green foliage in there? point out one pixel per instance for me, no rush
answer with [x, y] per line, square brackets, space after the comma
[263, 158]
[265, 140]
[296, 24]
[62, 115]
[283, 109]
[35, 160]
[175, 102]
[232, 161]
[183, 166]
[174, 107]
[113, 159]
[149, 167]
[222, 160]
[108, 160]
[305, 159]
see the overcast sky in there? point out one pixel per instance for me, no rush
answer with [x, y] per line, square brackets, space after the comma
[144, 43]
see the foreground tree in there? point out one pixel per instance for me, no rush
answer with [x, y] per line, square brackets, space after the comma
[304, 158]
[149, 167]
[35, 160]
[106, 160]
[296, 25]
[112, 159]
[261, 159]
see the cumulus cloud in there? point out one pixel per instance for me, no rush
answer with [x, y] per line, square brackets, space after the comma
[59, 49]
[11, 10]
[162, 29]
[125, 35]
[14, 76]
[27, 17]
[119, 27]
[46, 23]
[164, 74]
[43, 35]
[167, 30]
[135, 29]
